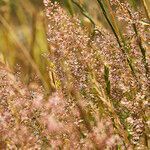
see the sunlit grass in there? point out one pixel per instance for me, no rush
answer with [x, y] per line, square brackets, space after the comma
[74, 74]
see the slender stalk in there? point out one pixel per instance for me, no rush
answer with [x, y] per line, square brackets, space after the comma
[109, 105]
[25, 52]
[85, 13]
[69, 4]
[139, 41]
[118, 35]
[34, 19]
[146, 3]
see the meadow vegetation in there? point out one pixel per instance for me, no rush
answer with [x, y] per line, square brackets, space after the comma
[74, 74]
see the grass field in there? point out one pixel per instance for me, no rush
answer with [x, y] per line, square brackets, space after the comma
[74, 74]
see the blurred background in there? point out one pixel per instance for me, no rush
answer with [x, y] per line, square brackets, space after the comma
[23, 44]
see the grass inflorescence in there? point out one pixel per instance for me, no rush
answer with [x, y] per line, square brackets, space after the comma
[72, 78]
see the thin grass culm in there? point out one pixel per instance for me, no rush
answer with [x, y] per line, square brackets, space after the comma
[94, 90]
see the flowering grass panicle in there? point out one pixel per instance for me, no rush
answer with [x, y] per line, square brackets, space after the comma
[109, 67]
[101, 82]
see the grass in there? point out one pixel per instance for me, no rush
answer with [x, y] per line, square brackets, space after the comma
[74, 78]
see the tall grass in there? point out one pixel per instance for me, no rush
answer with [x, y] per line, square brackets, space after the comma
[74, 79]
